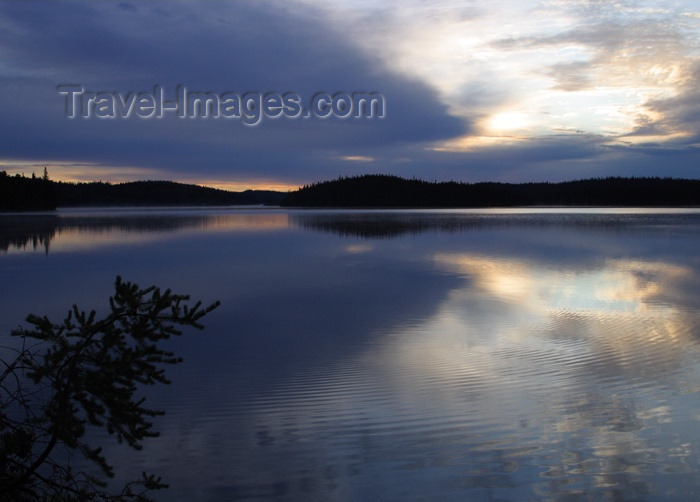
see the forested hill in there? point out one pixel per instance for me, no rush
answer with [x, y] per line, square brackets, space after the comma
[19, 193]
[157, 193]
[384, 191]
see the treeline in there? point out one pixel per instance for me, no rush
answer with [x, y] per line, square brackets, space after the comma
[385, 191]
[19, 193]
[158, 193]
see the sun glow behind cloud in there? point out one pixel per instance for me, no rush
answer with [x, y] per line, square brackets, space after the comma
[536, 67]
[508, 121]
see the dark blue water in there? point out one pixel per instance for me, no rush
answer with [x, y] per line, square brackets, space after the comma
[400, 355]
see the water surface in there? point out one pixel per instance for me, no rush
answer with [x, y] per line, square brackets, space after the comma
[401, 355]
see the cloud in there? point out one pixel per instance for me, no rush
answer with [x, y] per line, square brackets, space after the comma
[611, 52]
[573, 76]
[597, 87]
[671, 123]
[218, 47]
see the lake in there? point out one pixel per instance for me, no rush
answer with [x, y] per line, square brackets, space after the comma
[520, 354]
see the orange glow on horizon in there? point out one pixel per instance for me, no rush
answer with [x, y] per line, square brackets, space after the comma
[238, 186]
[87, 173]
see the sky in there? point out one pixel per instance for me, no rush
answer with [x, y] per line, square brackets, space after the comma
[493, 90]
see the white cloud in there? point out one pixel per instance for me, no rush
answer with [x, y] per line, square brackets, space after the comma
[582, 65]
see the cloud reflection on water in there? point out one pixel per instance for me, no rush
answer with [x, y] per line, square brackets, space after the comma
[434, 354]
[530, 379]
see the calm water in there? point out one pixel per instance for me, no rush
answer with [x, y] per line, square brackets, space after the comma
[433, 355]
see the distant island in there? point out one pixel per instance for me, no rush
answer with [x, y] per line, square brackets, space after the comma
[386, 191]
[20, 193]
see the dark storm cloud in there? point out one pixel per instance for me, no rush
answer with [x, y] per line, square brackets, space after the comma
[213, 46]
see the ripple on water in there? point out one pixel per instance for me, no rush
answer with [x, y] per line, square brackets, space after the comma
[558, 413]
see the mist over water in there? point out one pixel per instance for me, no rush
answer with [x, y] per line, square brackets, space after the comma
[400, 355]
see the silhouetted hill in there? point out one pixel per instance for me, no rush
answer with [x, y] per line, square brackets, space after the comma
[19, 193]
[383, 191]
[157, 193]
